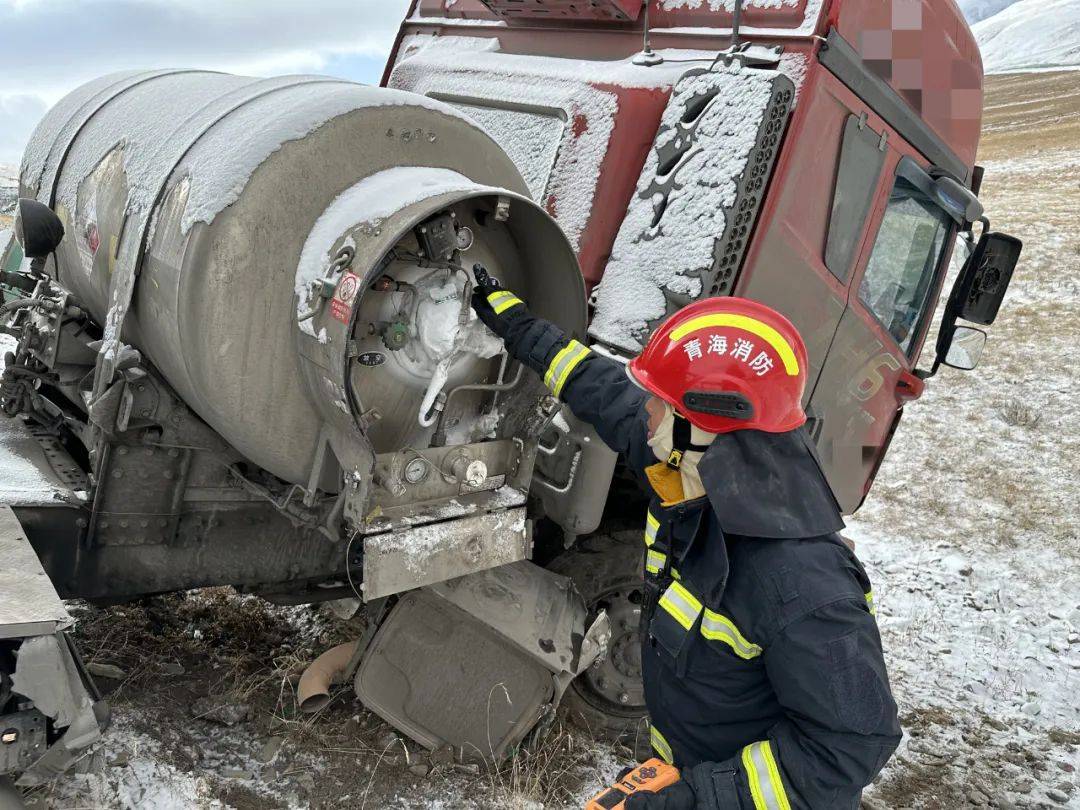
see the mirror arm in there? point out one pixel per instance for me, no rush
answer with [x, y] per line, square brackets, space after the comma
[944, 340]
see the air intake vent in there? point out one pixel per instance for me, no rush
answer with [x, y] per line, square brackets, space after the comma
[731, 247]
[689, 223]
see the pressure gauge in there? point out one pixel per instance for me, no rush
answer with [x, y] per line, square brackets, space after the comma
[464, 238]
[416, 470]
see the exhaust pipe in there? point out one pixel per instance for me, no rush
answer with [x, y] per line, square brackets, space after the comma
[324, 672]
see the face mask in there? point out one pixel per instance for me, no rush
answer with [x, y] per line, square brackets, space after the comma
[663, 443]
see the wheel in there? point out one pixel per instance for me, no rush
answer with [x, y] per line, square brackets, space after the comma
[608, 699]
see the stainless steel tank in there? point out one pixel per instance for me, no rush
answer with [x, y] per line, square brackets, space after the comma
[277, 231]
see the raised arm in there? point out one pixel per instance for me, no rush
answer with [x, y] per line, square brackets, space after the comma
[595, 387]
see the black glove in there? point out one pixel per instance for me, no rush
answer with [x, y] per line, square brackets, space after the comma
[679, 796]
[496, 307]
[530, 340]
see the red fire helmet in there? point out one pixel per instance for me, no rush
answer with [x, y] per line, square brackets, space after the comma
[727, 364]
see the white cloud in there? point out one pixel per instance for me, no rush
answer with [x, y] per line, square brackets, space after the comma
[50, 47]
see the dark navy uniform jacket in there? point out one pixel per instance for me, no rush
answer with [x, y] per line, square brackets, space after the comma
[761, 658]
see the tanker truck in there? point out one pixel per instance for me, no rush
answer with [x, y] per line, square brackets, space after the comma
[241, 352]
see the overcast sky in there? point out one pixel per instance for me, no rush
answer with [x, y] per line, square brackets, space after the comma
[48, 47]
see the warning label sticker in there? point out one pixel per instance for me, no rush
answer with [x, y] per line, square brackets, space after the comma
[341, 303]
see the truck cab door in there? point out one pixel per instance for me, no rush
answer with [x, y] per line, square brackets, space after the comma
[868, 375]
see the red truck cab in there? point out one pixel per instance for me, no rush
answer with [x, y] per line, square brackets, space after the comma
[821, 160]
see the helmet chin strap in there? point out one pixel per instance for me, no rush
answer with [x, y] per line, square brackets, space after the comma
[681, 432]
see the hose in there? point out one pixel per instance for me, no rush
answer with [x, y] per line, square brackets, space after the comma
[326, 670]
[429, 410]
[16, 303]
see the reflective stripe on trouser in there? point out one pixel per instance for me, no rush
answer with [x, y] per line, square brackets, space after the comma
[660, 745]
[681, 605]
[654, 561]
[764, 776]
[718, 627]
[870, 603]
[652, 525]
[563, 365]
[502, 300]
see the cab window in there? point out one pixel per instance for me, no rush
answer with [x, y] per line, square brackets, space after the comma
[900, 274]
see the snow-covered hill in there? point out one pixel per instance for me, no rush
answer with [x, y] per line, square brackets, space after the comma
[1027, 34]
[976, 10]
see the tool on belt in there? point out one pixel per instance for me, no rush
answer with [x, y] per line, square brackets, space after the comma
[650, 777]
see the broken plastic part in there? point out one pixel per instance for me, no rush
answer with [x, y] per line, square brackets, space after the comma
[46, 674]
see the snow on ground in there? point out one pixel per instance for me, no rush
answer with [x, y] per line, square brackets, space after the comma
[9, 189]
[202, 689]
[976, 10]
[142, 779]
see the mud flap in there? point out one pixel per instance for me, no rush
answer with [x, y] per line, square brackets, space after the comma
[48, 674]
[477, 662]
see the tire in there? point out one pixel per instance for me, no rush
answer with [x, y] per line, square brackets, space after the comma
[607, 700]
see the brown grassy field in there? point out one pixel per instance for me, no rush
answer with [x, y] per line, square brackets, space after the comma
[1026, 112]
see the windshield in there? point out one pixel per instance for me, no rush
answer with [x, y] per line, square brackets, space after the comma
[898, 279]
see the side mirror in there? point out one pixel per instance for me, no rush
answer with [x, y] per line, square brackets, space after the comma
[977, 295]
[37, 228]
[966, 348]
[985, 278]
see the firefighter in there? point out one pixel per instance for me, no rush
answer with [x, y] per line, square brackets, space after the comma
[761, 659]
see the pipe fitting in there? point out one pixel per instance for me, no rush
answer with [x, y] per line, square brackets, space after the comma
[327, 670]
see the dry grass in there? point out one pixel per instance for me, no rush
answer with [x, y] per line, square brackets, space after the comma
[1027, 112]
[1019, 414]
